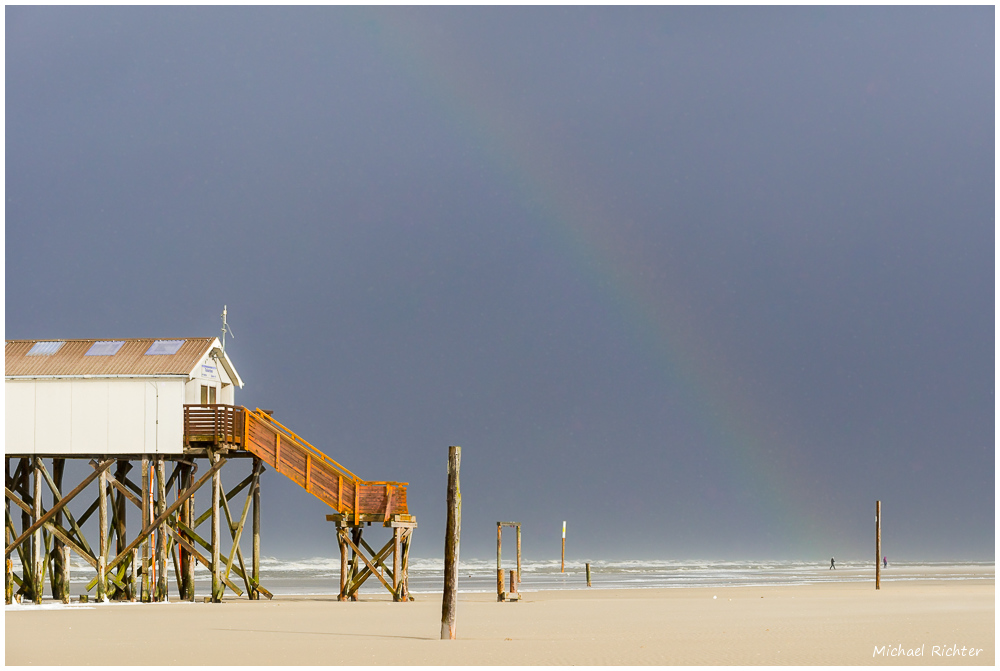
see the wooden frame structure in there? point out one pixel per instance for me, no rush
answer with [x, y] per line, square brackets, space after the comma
[128, 569]
[515, 578]
[351, 542]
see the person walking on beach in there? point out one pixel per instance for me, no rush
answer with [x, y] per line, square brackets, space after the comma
[885, 562]
[832, 564]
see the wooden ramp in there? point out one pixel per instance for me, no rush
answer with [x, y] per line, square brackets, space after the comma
[291, 455]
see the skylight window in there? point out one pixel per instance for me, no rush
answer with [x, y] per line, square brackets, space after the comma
[164, 347]
[45, 348]
[105, 348]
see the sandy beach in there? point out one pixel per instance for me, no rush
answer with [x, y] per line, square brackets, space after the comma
[838, 623]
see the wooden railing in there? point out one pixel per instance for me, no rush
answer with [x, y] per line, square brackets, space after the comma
[216, 424]
[295, 458]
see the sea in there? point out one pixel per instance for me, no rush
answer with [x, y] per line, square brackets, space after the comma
[321, 575]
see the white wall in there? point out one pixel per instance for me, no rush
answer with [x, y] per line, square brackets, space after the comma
[94, 416]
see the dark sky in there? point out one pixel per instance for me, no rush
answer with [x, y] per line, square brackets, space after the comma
[703, 282]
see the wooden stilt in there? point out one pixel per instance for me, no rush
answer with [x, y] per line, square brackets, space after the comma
[8, 590]
[64, 567]
[102, 558]
[161, 537]
[396, 561]
[258, 466]
[57, 573]
[216, 536]
[121, 535]
[356, 537]
[343, 563]
[146, 517]
[38, 548]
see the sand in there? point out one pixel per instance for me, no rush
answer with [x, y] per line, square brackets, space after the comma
[843, 623]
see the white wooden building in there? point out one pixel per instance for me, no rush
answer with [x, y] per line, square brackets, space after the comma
[101, 397]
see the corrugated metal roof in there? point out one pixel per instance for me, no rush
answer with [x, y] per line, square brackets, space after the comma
[131, 359]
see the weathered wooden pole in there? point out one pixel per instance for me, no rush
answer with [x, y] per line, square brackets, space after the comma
[145, 593]
[878, 545]
[452, 534]
[563, 569]
[499, 569]
[216, 535]
[397, 578]
[102, 557]
[343, 563]
[185, 514]
[38, 547]
[588, 574]
[258, 466]
[56, 577]
[161, 534]
[64, 567]
[8, 585]
[518, 552]
[121, 538]
[513, 581]
[27, 564]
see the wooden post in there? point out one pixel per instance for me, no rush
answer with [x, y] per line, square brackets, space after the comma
[56, 576]
[38, 547]
[518, 552]
[878, 544]
[499, 569]
[161, 539]
[563, 569]
[102, 557]
[513, 581]
[146, 518]
[258, 466]
[588, 574]
[121, 538]
[64, 567]
[396, 577]
[216, 535]
[343, 563]
[186, 513]
[8, 590]
[452, 534]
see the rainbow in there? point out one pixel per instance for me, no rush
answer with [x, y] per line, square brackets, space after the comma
[627, 275]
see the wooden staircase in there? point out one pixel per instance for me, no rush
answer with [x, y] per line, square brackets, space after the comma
[236, 427]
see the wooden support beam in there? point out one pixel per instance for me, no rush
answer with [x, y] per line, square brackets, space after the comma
[146, 590]
[343, 563]
[368, 564]
[148, 529]
[229, 497]
[449, 601]
[161, 536]
[37, 552]
[258, 467]
[190, 533]
[102, 558]
[217, 587]
[204, 562]
[60, 504]
[56, 556]
[378, 559]
[73, 523]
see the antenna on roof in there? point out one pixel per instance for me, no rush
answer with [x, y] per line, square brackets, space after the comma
[225, 327]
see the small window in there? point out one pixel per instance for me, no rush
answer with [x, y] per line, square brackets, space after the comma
[45, 348]
[207, 395]
[105, 348]
[164, 347]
